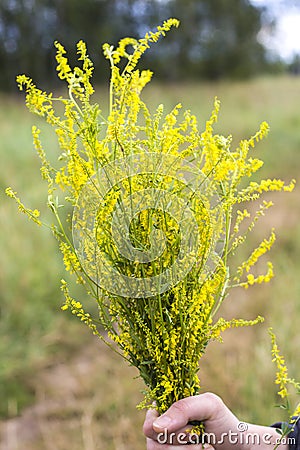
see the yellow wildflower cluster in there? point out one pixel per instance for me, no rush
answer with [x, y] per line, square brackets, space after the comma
[70, 258]
[284, 382]
[165, 331]
[222, 325]
[282, 378]
[31, 214]
[77, 309]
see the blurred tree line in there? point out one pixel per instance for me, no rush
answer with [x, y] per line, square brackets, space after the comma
[217, 38]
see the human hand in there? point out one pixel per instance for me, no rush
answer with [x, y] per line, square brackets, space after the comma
[223, 430]
[171, 427]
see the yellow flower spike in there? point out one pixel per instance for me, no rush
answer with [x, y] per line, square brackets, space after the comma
[63, 68]
[296, 412]
[120, 51]
[263, 248]
[261, 134]
[251, 280]
[223, 325]
[32, 214]
[145, 42]
[241, 215]
[71, 261]
[47, 171]
[284, 383]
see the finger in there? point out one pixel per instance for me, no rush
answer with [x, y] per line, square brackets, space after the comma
[200, 407]
[181, 435]
[151, 415]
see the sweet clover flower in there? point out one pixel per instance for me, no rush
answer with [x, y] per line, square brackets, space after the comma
[159, 213]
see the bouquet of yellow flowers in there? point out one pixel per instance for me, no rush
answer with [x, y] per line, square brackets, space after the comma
[159, 212]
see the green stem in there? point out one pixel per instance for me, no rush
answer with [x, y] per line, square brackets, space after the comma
[75, 103]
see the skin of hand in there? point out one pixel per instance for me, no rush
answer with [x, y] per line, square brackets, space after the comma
[224, 430]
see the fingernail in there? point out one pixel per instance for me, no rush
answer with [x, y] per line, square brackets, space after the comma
[162, 422]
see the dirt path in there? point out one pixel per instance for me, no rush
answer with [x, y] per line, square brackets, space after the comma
[80, 405]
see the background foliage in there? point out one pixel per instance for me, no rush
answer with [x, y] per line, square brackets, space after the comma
[217, 38]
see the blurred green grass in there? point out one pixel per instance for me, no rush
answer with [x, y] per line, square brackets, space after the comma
[34, 333]
[31, 323]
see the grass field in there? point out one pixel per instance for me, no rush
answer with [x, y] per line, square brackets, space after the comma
[59, 388]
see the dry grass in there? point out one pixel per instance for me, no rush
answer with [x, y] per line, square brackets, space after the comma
[85, 404]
